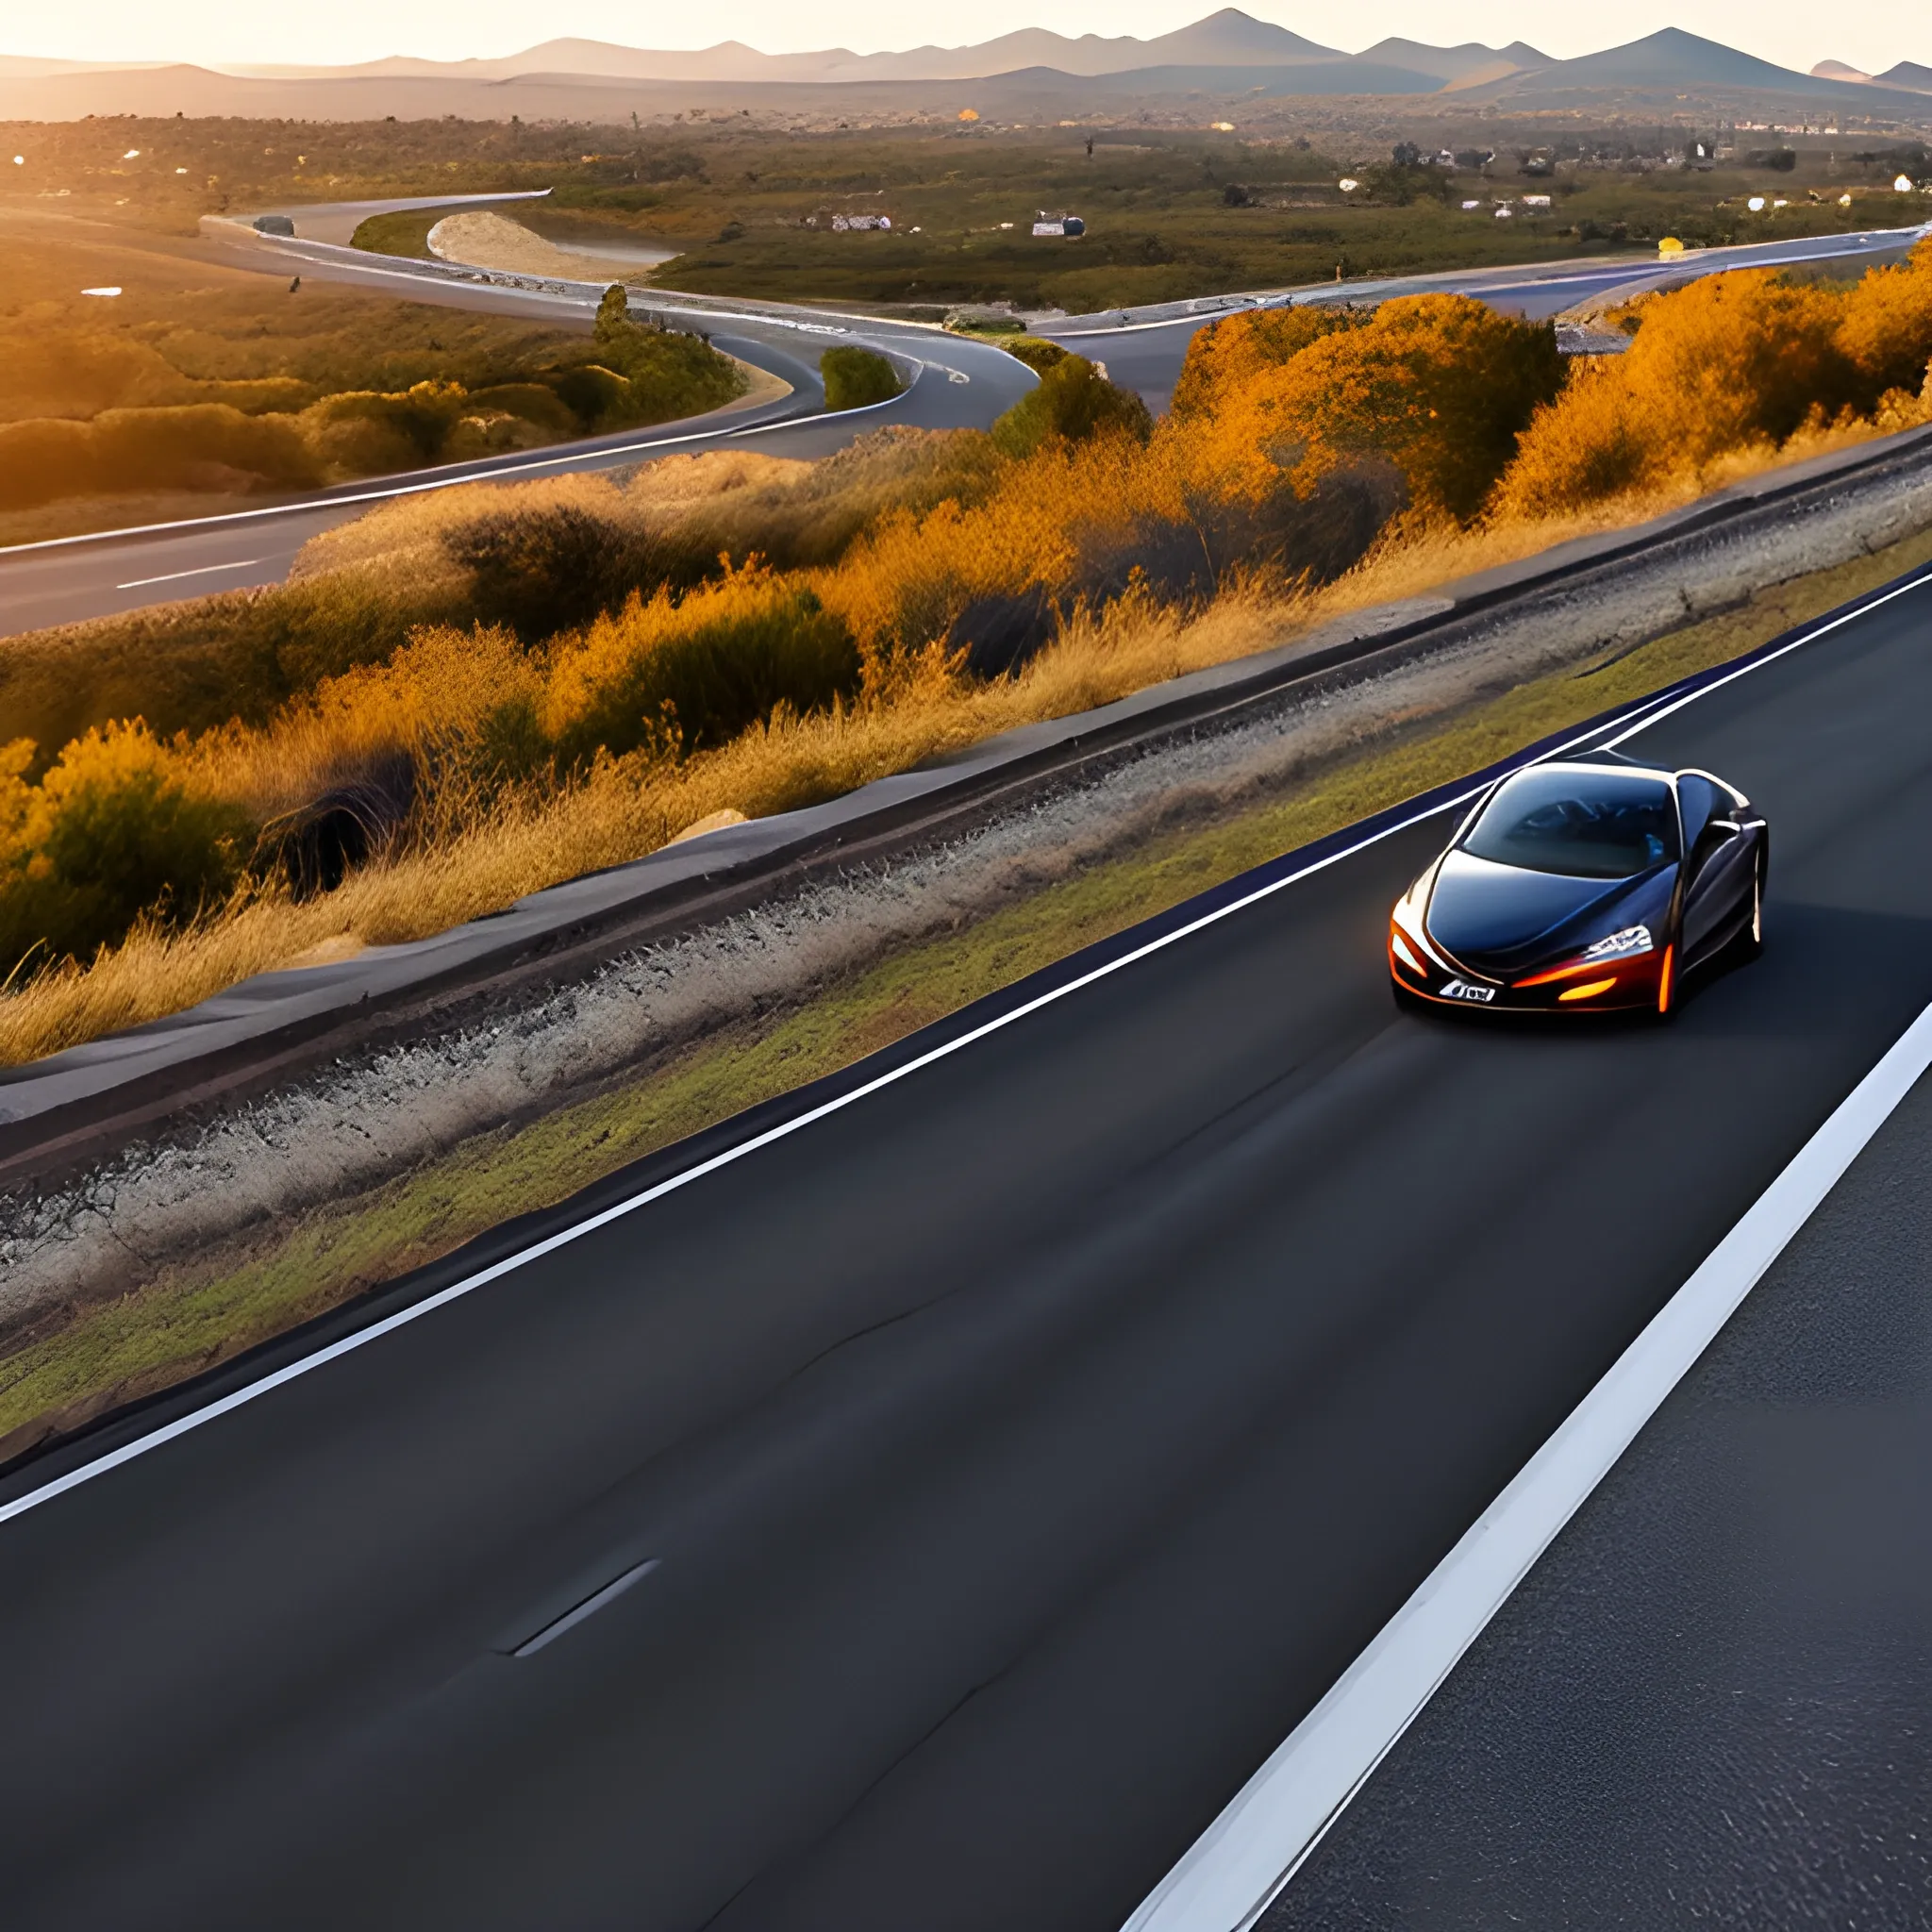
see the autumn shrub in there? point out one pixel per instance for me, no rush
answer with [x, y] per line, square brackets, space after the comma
[1886, 333]
[1073, 523]
[1730, 364]
[540, 567]
[488, 554]
[854, 378]
[692, 673]
[111, 834]
[1072, 401]
[1439, 385]
[1227, 355]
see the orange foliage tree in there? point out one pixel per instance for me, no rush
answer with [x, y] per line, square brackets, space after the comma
[1227, 355]
[1440, 386]
[1733, 363]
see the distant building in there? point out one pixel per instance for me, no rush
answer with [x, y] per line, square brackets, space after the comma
[842, 223]
[1060, 227]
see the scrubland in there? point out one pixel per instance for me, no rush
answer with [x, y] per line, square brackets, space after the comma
[208, 383]
[460, 699]
[1169, 212]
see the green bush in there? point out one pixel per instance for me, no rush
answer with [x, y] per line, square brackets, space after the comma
[671, 373]
[857, 377]
[1074, 401]
[702, 671]
[110, 835]
[1036, 353]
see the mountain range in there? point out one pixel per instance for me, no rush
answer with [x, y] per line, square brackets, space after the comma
[1907, 75]
[1229, 52]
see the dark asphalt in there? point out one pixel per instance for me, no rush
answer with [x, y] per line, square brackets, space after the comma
[1024, 1448]
[1710, 1703]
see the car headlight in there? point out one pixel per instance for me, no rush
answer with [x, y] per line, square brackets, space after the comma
[1620, 945]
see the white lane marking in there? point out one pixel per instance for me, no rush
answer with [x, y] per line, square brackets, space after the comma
[509, 471]
[588, 1607]
[741, 1150]
[1917, 583]
[175, 576]
[727, 1157]
[1243, 1860]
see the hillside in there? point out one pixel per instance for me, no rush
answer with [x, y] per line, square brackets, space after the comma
[1673, 59]
[1189, 77]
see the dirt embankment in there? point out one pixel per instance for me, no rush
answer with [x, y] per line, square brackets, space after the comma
[482, 240]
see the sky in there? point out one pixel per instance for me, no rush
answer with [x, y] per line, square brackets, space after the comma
[1872, 35]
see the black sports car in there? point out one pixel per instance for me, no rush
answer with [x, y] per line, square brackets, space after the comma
[1587, 885]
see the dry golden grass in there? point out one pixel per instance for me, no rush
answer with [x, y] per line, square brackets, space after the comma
[479, 853]
[480, 860]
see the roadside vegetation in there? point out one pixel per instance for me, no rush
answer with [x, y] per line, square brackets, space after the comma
[196, 1313]
[461, 698]
[194, 387]
[855, 379]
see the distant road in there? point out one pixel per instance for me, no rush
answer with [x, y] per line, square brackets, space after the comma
[963, 384]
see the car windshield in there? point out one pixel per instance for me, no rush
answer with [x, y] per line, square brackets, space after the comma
[1587, 824]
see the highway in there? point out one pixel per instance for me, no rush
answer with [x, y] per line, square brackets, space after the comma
[925, 1502]
[962, 384]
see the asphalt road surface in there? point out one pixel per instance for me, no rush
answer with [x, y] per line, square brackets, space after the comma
[1707, 1705]
[932, 1514]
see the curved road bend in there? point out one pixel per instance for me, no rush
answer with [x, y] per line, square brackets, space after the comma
[1020, 1450]
[962, 384]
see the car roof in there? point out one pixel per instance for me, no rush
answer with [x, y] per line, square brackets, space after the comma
[1605, 762]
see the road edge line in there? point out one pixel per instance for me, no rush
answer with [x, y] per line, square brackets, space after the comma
[1243, 1861]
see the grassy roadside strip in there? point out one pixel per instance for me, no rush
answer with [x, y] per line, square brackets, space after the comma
[403, 231]
[190, 1318]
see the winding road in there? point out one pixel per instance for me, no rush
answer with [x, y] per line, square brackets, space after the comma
[959, 383]
[924, 1502]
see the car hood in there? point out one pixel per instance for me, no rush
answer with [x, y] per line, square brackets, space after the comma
[1504, 920]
